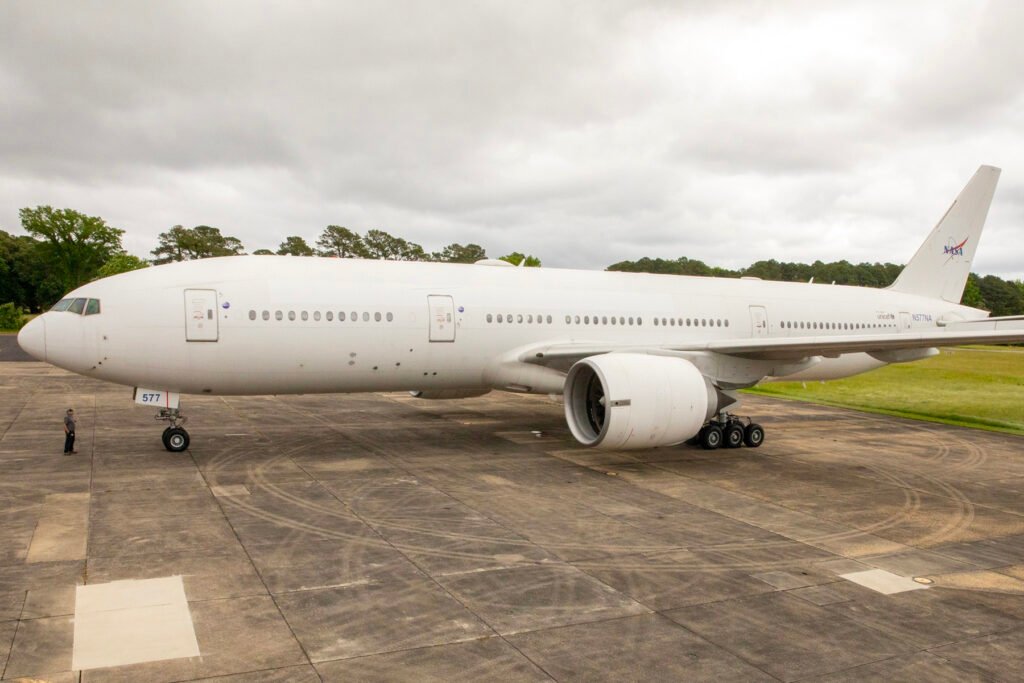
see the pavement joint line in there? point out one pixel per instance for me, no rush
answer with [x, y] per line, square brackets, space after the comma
[373, 448]
[248, 555]
[14, 636]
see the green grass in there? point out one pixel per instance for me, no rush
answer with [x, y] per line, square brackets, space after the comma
[977, 386]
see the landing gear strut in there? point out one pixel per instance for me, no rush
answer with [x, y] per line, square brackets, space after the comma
[730, 431]
[175, 437]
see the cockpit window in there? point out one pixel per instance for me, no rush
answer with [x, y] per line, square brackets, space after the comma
[77, 306]
[93, 307]
[62, 305]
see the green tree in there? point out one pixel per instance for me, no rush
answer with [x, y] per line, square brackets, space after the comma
[202, 241]
[340, 242]
[1001, 296]
[381, 245]
[294, 245]
[12, 317]
[73, 244]
[459, 253]
[972, 293]
[515, 258]
[262, 252]
[21, 270]
[121, 263]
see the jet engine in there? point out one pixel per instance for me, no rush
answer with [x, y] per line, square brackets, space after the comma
[625, 401]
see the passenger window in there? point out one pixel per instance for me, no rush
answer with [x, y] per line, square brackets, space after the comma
[93, 308]
[727, 322]
[490, 318]
[377, 316]
[77, 306]
[278, 315]
[631, 320]
[519, 318]
[672, 321]
[639, 321]
[499, 317]
[577, 320]
[305, 315]
[390, 317]
[656, 323]
[252, 315]
[265, 315]
[604, 320]
[330, 316]
[62, 305]
[366, 316]
[316, 315]
[613, 320]
[354, 316]
[568, 319]
[341, 316]
[586, 320]
[291, 315]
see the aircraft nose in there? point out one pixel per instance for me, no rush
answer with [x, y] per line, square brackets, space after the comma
[32, 338]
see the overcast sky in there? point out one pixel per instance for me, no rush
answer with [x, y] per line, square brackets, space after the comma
[584, 133]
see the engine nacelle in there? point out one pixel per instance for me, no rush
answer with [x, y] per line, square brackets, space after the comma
[622, 401]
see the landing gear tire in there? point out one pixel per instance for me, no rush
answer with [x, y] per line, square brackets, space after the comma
[753, 435]
[734, 435]
[175, 439]
[711, 437]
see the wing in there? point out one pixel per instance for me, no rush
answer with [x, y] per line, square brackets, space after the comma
[790, 349]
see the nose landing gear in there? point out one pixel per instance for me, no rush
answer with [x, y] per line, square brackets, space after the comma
[175, 437]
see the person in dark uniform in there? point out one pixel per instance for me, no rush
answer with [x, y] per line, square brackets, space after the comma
[69, 432]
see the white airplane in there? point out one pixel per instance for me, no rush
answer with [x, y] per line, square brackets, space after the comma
[642, 360]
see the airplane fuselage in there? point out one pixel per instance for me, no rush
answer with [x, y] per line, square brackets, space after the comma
[276, 325]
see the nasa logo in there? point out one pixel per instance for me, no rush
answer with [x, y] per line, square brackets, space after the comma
[954, 250]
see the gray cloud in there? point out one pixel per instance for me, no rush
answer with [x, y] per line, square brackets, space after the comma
[586, 133]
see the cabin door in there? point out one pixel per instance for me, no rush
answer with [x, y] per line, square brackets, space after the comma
[201, 315]
[758, 321]
[904, 321]
[441, 310]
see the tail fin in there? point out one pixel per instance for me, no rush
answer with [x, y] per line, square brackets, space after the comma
[940, 267]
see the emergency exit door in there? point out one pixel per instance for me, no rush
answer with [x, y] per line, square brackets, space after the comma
[442, 318]
[200, 315]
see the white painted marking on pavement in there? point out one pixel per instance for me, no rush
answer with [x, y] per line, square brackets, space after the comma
[884, 582]
[129, 622]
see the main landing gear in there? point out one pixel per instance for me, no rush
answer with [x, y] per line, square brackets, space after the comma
[729, 431]
[175, 437]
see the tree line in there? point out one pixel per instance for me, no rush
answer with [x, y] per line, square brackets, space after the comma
[64, 249]
[992, 293]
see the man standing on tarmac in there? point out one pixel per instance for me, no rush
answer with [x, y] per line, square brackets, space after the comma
[69, 432]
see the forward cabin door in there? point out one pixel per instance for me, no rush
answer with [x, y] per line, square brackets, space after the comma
[201, 315]
[904, 321]
[441, 310]
[758, 321]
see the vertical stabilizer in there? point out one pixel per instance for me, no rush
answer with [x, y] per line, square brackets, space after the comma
[940, 267]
